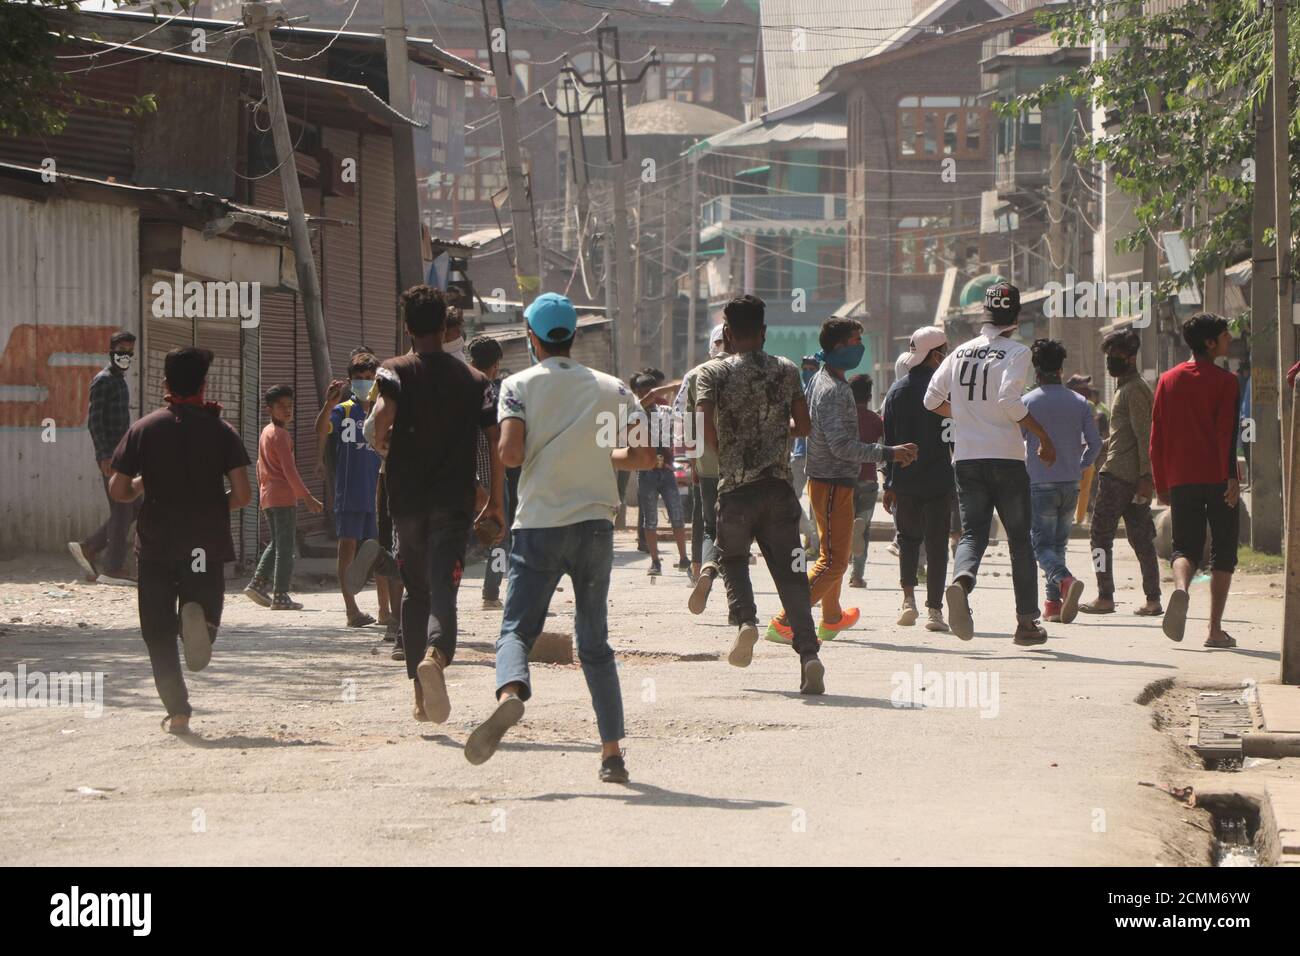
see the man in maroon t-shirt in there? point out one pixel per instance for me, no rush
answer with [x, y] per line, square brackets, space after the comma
[180, 458]
[1194, 469]
[870, 430]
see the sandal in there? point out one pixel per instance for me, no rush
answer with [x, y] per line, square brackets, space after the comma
[365, 620]
[168, 726]
[1227, 641]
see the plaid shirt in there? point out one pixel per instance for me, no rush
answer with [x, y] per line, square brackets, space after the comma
[109, 415]
[482, 456]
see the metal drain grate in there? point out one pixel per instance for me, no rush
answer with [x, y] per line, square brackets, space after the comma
[1218, 725]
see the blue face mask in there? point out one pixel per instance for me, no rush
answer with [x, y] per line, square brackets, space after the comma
[361, 388]
[843, 358]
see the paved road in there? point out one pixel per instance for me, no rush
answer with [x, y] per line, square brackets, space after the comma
[306, 752]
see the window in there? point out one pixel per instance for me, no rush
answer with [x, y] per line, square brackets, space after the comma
[746, 77]
[923, 245]
[935, 126]
[687, 77]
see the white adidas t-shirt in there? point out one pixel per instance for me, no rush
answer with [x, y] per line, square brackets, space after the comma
[984, 379]
[567, 410]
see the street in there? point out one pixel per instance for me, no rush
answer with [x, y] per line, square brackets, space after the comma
[305, 751]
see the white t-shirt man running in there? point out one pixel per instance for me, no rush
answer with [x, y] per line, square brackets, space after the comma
[979, 385]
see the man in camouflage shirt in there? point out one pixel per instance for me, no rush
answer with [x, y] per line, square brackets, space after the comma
[748, 401]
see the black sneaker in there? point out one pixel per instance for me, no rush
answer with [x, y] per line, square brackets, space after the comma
[656, 569]
[258, 592]
[399, 652]
[812, 676]
[683, 565]
[283, 602]
[613, 770]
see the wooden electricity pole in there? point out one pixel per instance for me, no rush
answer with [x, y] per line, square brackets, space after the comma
[695, 248]
[1265, 381]
[667, 291]
[258, 19]
[528, 270]
[410, 261]
[611, 83]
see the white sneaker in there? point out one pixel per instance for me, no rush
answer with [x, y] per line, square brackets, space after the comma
[907, 617]
[936, 621]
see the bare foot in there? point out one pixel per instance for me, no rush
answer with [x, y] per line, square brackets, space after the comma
[178, 724]
[1150, 609]
[1099, 606]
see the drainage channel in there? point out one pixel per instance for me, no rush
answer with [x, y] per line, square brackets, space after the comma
[1219, 722]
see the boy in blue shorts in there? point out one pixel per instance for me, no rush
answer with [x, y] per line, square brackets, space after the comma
[356, 475]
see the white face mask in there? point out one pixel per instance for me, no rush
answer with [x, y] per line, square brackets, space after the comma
[455, 345]
[122, 360]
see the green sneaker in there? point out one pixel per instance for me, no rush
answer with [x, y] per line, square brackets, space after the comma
[779, 634]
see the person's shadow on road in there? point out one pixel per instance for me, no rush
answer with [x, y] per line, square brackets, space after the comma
[647, 795]
[824, 700]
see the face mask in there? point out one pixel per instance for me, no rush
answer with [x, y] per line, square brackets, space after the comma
[361, 388]
[845, 357]
[121, 360]
[455, 345]
[1117, 365]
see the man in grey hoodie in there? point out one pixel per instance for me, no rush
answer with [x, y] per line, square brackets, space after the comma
[835, 456]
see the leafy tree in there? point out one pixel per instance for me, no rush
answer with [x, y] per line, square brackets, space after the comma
[1180, 89]
[35, 93]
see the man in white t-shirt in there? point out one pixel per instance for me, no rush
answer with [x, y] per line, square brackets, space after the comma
[979, 386]
[561, 422]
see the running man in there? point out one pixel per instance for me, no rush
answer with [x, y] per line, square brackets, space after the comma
[753, 404]
[835, 455]
[560, 423]
[1124, 484]
[659, 481]
[1054, 489]
[430, 409]
[919, 496]
[1194, 469]
[979, 386]
[179, 459]
[704, 514]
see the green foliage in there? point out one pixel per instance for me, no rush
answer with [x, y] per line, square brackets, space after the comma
[1180, 90]
[35, 92]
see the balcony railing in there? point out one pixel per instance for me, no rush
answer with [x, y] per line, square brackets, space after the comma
[1021, 168]
[759, 209]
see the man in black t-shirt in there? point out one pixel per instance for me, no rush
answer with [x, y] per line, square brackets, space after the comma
[179, 458]
[428, 416]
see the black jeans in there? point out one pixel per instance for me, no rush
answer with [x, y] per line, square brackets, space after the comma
[163, 587]
[1192, 508]
[109, 539]
[983, 485]
[491, 576]
[767, 512]
[431, 555]
[923, 519]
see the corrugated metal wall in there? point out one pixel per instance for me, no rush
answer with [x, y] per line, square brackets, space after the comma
[378, 244]
[69, 278]
[342, 254]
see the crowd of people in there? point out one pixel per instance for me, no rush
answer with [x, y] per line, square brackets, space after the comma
[431, 447]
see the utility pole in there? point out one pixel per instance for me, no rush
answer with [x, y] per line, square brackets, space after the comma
[1265, 395]
[1056, 257]
[667, 290]
[258, 19]
[579, 176]
[611, 83]
[638, 283]
[410, 261]
[695, 248]
[528, 271]
[615, 139]
[1286, 334]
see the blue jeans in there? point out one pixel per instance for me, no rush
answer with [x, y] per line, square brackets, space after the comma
[706, 492]
[539, 557]
[1053, 506]
[985, 484]
[653, 484]
[864, 505]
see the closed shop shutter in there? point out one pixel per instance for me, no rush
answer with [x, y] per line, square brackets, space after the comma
[378, 244]
[249, 430]
[342, 256]
[224, 381]
[277, 362]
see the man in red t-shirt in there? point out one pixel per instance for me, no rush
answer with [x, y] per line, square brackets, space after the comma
[1194, 469]
[870, 430]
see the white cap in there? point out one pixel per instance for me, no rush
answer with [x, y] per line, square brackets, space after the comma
[900, 365]
[924, 340]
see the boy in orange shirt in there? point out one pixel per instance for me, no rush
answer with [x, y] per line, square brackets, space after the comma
[280, 486]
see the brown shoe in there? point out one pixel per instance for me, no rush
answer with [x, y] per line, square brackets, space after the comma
[1029, 632]
[433, 685]
[1098, 606]
[419, 714]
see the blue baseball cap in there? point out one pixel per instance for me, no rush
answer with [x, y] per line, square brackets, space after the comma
[552, 317]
